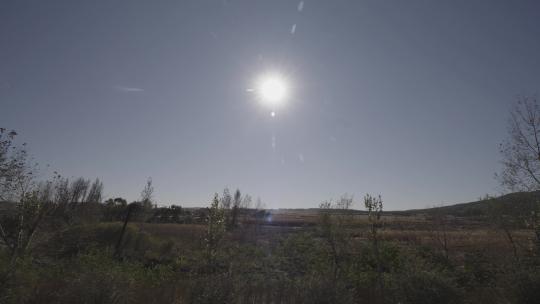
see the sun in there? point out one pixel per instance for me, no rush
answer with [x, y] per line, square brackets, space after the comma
[272, 89]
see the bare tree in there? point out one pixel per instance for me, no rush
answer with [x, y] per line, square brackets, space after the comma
[333, 220]
[95, 194]
[46, 191]
[19, 230]
[246, 202]
[62, 195]
[226, 199]
[374, 207]
[17, 183]
[16, 172]
[147, 193]
[237, 202]
[78, 190]
[345, 202]
[521, 150]
[35, 201]
[521, 155]
[215, 232]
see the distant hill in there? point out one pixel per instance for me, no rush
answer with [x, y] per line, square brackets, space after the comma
[517, 203]
[510, 204]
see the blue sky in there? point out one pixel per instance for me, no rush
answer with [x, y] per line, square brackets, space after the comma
[407, 99]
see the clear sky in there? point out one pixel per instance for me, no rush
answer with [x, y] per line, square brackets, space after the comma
[408, 99]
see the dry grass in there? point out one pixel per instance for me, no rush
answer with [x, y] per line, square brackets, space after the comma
[463, 235]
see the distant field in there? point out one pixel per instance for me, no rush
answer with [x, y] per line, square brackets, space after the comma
[462, 234]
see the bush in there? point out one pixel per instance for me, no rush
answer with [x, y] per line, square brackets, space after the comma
[527, 285]
[428, 288]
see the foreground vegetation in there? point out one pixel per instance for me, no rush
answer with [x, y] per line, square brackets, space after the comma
[326, 255]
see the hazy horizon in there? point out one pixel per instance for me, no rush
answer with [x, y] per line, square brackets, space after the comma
[408, 99]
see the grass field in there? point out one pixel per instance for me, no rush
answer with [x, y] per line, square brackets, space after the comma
[463, 235]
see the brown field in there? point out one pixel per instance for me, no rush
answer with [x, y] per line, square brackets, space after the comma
[463, 235]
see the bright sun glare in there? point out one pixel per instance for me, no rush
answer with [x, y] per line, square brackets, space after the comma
[272, 89]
